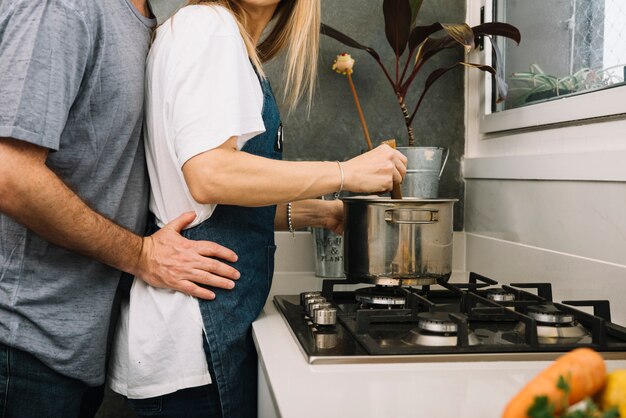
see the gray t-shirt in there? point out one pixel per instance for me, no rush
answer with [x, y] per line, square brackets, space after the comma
[71, 80]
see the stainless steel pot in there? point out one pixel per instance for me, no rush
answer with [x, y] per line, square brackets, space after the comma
[397, 242]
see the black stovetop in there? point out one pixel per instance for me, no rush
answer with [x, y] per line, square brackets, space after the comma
[482, 325]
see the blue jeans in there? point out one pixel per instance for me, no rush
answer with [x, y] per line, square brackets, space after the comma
[200, 402]
[30, 389]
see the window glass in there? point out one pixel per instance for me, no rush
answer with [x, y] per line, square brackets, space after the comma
[568, 47]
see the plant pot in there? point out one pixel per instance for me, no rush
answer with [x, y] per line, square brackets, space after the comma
[546, 94]
[424, 168]
[328, 253]
[328, 249]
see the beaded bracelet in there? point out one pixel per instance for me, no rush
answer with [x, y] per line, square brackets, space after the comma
[289, 222]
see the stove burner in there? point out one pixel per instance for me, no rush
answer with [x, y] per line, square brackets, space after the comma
[417, 337]
[438, 322]
[436, 329]
[500, 295]
[549, 315]
[554, 334]
[553, 324]
[379, 295]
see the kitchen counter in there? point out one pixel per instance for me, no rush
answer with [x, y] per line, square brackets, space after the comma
[292, 388]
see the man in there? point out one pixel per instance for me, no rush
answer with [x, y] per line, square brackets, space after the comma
[73, 197]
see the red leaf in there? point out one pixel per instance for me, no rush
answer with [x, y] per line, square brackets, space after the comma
[499, 29]
[397, 24]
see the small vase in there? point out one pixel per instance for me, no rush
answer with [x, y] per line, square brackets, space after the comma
[328, 248]
[424, 168]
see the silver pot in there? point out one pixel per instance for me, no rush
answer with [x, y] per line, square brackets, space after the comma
[397, 242]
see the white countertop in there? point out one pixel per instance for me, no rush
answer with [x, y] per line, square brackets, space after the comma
[433, 390]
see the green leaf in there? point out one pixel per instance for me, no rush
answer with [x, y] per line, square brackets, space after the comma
[541, 408]
[562, 385]
[612, 412]
[416, 5]
[460, 32]
[577, 414]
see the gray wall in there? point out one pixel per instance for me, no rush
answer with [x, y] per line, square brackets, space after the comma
[332, 130]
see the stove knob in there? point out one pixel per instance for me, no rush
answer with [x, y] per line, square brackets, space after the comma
[318, 305]
[325, 316]
[310, 301]
[305, 295]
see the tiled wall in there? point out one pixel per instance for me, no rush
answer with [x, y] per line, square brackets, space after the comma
[569, 233]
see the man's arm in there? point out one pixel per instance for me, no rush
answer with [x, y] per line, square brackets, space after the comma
[34, 196]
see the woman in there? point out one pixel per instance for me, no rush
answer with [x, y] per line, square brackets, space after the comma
[214, 141]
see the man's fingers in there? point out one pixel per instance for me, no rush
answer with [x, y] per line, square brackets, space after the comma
[207, 279]
[197, 291]
[211, 249]
[181, 222]
[217, 268]
[212, 280]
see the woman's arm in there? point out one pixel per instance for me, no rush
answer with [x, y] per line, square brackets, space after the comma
[311, 212]
[225, 175]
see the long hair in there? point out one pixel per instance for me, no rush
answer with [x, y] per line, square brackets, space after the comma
[295, 30]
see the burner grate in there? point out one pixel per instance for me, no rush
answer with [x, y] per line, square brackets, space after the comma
[483, 325]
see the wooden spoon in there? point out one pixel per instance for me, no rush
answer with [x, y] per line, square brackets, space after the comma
[396, 191]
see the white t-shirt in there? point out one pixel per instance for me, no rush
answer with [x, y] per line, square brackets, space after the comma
[201, 89]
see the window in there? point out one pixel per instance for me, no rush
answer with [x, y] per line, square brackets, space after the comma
[570, 47]
[570, 65]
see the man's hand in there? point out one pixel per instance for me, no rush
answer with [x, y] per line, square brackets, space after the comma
[169, 260]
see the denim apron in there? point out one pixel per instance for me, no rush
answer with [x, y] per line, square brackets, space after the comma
[249, 232]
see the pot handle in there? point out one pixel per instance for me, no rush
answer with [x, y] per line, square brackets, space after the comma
[443, 165]
[408, 216]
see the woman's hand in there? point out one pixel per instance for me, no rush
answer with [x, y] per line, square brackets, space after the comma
[312, 212]
[333, 219]
[375, 171]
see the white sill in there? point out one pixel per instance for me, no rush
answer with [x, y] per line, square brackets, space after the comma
[581, 166]
[585, 106]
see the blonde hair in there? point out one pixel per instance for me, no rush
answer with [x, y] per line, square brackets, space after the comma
[295, 30]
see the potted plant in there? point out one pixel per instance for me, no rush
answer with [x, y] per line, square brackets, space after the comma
[414, 45]
[536, 84]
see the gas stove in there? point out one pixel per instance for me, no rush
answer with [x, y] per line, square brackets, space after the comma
[479, 319]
